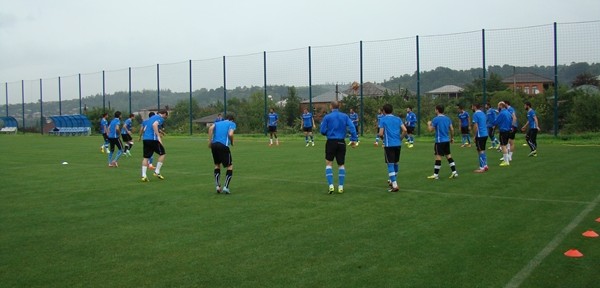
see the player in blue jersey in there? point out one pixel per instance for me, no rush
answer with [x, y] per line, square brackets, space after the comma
[273, 118]
[534, 128]
[153, 143]
[334, 126]
[104, 132]
[308, 124]
[114, 140]
[504, 123]
[442, 125]
[513, 130]
[379, 116]
[491, 114]
[355, 120]
[220, 137]
[465, 123]
[151, 160]
[391, 131]
[410, 123]
[480, 134]
[126, 132]
[219, 118]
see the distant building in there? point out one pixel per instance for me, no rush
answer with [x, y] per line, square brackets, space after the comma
[529, 83]
[321, 102]
[206, 120]
[449, 91]
[369, 90]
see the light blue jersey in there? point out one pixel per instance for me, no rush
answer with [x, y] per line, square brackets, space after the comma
[480, 119]
[531, 118]
[464, 118]
[442, 124]
[149, 130]
[392, 127]
[354, 118]
[504, 121]
[113, 128]
[379, 116]
[334, 126]
[221, 132]
[273, 117]
[126, 126]
[513, 112]
[103, 126]
[411, 119]
[307, 120]
[491, 117]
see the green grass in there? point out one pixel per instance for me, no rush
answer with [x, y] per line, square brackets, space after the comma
[87, 225]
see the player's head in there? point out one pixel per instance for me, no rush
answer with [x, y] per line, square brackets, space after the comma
[527, 105]
[151, 114]
[230, 117]
[501, 105]
[460, 107]
[163, 113]
[439, 109]
[487, 106]
[131, 115]
[271, 110]
[388, 108]
[118, 114]
[334, 104]
[409, 108]
[507, 103]
[476, 106]
[104, 115]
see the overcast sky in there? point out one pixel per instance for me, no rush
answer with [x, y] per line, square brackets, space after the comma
[44, 39]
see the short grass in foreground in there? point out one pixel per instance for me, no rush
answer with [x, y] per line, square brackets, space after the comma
[84, 224]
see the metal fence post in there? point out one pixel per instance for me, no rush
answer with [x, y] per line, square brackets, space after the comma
[41, 109]
[59, 98]
[265, 90]
[484, 67]
[103, 92]
[362, 109]
[224, 87]
[555, 83]
[157, 87]
[418, 89]
[129, 75]
[23, 101]
[191, 116]
[79, 86]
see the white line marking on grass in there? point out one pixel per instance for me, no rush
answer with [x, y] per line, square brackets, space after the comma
[533, 263]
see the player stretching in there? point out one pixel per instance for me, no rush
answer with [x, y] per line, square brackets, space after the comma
[153, 144]
[220, 136]
[442, 125]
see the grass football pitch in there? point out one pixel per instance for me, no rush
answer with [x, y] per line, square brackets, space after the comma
[83, 224]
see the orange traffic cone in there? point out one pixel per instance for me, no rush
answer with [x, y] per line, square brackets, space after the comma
[574, 253]
[590, 233]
